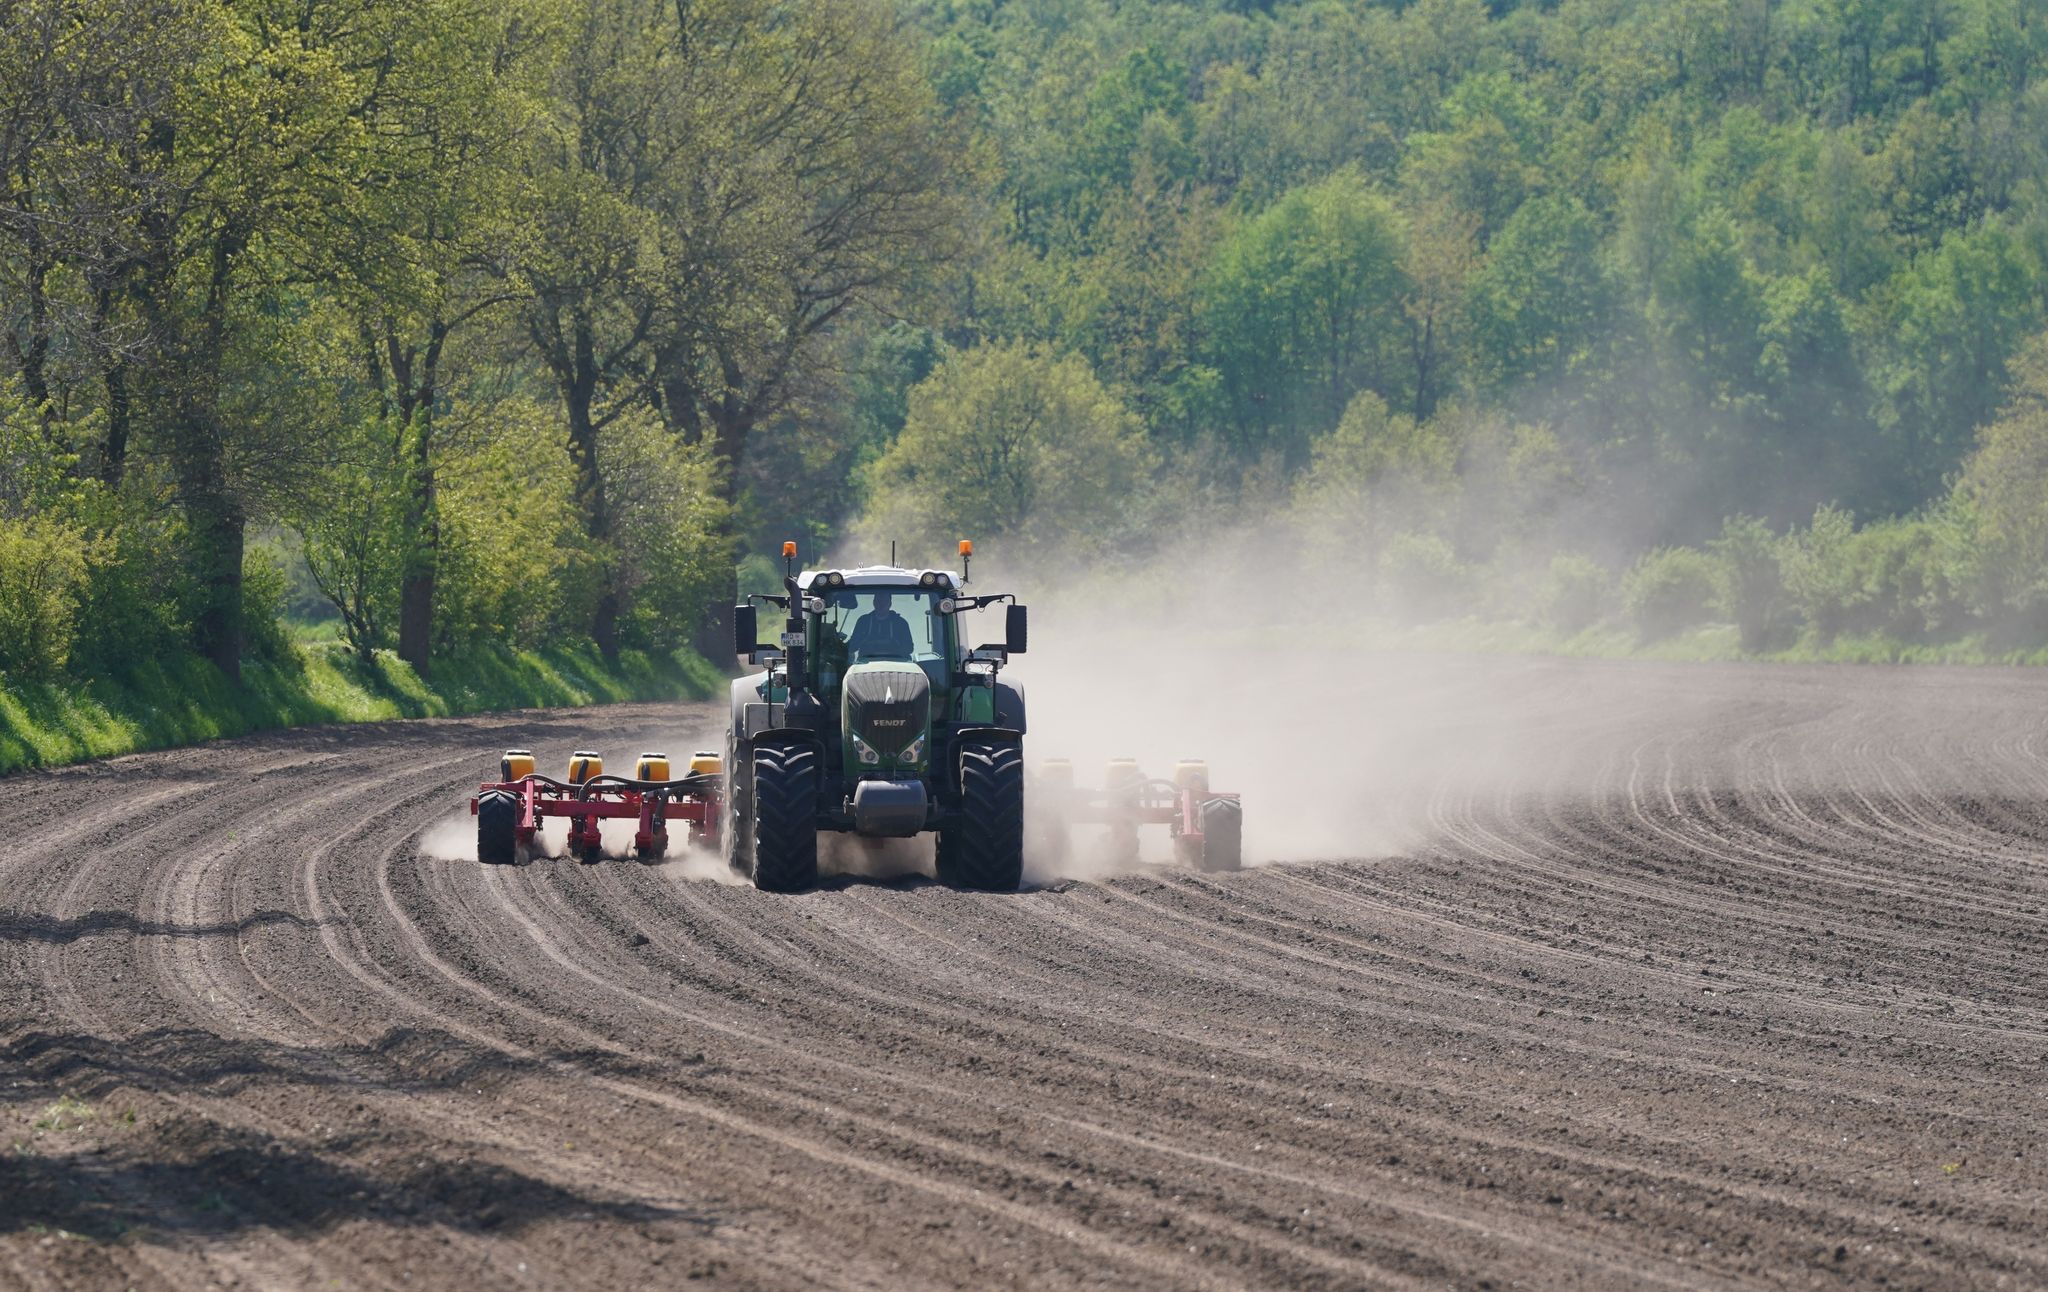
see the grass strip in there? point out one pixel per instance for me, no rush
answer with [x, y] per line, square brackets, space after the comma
[182, 700]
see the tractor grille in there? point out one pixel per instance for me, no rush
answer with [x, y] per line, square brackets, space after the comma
[888, 709]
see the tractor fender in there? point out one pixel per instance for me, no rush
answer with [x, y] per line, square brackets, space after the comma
[1011, 734]
[745, 691]
[1010, 706]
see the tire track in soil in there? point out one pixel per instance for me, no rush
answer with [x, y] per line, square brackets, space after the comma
[1740, 983]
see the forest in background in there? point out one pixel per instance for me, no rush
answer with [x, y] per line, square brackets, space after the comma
[467, 324]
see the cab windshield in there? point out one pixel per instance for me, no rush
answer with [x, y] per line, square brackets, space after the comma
[862, 624]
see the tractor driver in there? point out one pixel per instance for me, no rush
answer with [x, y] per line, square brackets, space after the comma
[881, 632]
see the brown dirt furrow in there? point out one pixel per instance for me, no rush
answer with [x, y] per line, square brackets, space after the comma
[1659, 976]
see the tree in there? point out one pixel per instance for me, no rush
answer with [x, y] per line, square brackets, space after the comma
[1442, 253]
[726, 182]
[1013, 443]
[1303, 310]
[1958, 314]
[1820, 573]
[1540, 297]
[1377, 474]
[1752, 586]
[2005, 485]
[418, 259]
[834, 198]
[222, 185]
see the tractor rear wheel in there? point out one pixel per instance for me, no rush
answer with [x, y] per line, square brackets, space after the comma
[785, 816]
[984, 848]
[497, 828]
[1222, 836]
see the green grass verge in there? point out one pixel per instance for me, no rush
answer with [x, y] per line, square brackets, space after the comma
[183, 700]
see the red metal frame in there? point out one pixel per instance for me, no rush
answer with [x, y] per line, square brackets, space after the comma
[539, 801]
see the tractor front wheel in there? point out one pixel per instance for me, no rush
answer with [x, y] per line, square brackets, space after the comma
[984, 848]
[497, 828]
[784, 836]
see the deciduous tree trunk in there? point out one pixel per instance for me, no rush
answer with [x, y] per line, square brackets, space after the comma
[219, 532]
[578, 393]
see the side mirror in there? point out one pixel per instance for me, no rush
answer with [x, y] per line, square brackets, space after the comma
[1014, 634]
[745, 632]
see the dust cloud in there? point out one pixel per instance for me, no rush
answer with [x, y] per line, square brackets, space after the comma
[1228, 653]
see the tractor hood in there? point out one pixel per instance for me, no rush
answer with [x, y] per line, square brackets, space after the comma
[886, 712]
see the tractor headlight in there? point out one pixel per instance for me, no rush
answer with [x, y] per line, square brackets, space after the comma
[816, 605]
[835, 578]
[915, 754]
[867, 755]
[928, 579]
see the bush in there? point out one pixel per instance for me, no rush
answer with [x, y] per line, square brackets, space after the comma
[265, 593]
[1912, 577]
[136, 599]
[44, 565]
[1574, 593]
[1752, 584]
[1821, 575]
[1668, 591]
[1423, 577]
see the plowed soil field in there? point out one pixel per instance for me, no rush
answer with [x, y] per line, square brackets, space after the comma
[1717, 977]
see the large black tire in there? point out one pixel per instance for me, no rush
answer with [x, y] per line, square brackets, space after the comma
[785, 812]
[497, 828]
[1222, 836]
[984, 848]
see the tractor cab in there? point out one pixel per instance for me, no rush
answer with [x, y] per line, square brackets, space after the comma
[878, 614]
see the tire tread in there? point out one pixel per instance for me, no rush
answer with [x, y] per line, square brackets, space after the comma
[984, 850]
[784, 807]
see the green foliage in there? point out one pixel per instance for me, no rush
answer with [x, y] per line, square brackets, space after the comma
[355, 536]
[264, 589]
[1377, 474]
[1752, 584]
[671, 561]
[1668, 591]
[1302, 305]
[1541, 297]
[1821, 575]
[1012, 443]
[522, 318]
[1422, 578]
[43, 569]
[1915, 573]
[1574, 594]
[2005, 487]
[511, 547]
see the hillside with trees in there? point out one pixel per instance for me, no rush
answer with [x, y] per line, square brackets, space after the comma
[477, 324]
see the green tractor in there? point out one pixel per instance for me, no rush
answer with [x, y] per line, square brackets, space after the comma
[873, 715]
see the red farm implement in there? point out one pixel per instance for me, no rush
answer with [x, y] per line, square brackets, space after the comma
[1207, 827]
[510, 810]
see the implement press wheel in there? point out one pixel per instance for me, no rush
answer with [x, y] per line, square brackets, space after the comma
[1222, 836]
[497, 828]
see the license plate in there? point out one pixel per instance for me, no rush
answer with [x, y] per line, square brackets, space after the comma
[792, 639]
